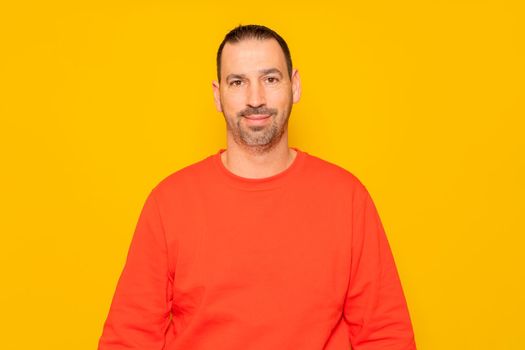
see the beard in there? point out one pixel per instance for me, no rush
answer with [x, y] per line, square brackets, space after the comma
[258, 138]
[259, 135]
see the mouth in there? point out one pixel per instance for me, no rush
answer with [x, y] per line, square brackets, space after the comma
[257, 116]
[257, 119]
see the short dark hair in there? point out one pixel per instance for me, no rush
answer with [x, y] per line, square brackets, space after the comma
[253, 31]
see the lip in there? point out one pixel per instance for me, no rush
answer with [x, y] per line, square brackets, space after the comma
[257, 116]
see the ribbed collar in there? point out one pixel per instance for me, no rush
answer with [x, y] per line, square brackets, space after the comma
[258, 184]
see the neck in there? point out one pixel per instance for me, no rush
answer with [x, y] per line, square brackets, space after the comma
[245, 162]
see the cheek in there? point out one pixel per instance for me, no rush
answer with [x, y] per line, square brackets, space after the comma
[232, 102]
[279, 99]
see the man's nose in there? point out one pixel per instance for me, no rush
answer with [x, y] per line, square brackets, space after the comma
[256, 96]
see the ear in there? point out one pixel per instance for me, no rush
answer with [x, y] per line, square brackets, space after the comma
[216, 95]
[296, 86]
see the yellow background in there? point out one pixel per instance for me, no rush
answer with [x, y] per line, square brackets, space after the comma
[422, 100]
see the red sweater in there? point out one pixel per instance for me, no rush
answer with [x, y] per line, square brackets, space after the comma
[298, 260]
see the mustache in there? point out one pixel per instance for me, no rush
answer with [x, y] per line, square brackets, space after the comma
[258, 110]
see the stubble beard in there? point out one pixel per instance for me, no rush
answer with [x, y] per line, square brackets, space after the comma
[258, 138]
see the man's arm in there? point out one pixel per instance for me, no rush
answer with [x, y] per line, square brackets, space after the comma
[140, 309]
[375, 307]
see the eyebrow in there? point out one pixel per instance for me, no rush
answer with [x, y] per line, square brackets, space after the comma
[262, 71]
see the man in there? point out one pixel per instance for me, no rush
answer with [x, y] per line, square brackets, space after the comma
[259, 246]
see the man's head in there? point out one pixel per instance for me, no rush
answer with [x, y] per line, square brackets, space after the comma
[253, 31]
[256, 86]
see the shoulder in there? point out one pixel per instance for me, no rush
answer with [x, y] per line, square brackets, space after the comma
[185, 177]
[332, 174]
[338, 182]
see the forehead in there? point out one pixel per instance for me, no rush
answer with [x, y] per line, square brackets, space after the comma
[252, 54]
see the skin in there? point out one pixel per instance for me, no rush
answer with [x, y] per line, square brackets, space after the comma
[255, 96]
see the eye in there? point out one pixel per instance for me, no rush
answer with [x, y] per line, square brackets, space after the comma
[272, 80]
[235, 82]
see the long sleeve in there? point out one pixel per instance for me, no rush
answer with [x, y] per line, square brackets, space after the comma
[375, 307]
[140, 310]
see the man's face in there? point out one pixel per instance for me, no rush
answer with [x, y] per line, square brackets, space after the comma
[256, 93]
